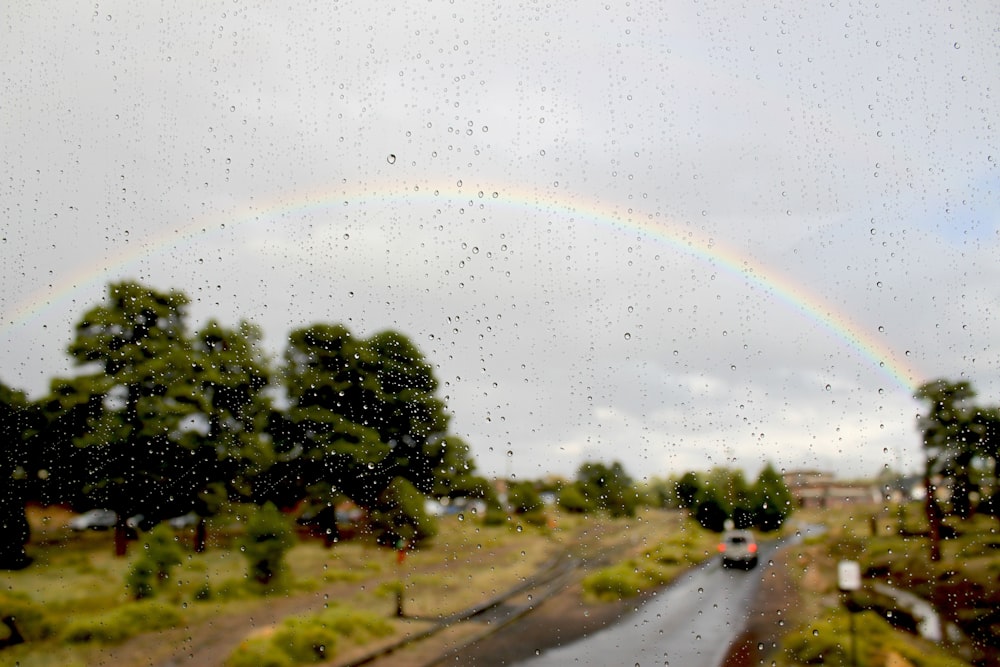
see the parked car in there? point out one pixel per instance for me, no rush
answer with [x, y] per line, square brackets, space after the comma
[183, 521]
[738, 548]
[94, 520]
[144, 523]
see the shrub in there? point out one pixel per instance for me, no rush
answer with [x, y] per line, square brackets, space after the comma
[29, 617]
[401, 515]
[141, 578]
[123, 622]
[159, 556]
[616, 582]
[259, 652]
[523, 498]
[268, 538]
[307, 639]
[572, 499]
[495, 516]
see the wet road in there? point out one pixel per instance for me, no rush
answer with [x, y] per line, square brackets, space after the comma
[690, 624]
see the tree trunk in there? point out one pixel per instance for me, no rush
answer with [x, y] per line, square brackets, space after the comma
[121, 537]
[933, 519]
[200, 536]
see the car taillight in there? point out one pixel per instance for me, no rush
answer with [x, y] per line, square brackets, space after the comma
[753, 548]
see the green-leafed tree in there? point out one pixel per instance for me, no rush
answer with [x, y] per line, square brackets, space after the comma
[950, 441]
[19, 468]
[734, 495]
[986, 423]
[523, 497]
[361, 413]
[658, 492]
[268, 538]
[455, 475]
[774, 500]
[709, 510]
[320, 449]
[574, 500]
[65, 468]
[399, 517]
[138, 369]
[409, 415]
[608, 487]
[232, 375]
[687, 489]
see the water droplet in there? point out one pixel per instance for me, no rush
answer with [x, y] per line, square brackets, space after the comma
[391, 158]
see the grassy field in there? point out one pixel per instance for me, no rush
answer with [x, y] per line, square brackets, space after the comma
[73, 608]
[889, 546]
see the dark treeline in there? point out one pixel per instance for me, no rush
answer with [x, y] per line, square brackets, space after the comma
[160, 421]
[724, 494]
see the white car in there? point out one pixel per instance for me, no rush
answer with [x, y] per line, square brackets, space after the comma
[738, 548]
[94, 520]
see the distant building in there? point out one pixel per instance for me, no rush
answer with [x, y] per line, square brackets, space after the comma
[906, 488]
[818, 489]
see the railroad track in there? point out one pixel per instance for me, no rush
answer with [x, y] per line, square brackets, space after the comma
[469, 626]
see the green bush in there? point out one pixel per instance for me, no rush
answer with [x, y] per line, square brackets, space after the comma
[160, 554]
[536, 518]
[123, 622]
[308, 639]
[572, 499]
[624, 580]
[400, 514]
[495, 516]
[203, 592]
[523, 498]
[29, 617]
[141, 579]
[268, 538]
[259, 652]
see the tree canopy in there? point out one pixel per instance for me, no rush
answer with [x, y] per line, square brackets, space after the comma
[960, 442]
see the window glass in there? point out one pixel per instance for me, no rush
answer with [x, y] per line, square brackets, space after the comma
[668, 237]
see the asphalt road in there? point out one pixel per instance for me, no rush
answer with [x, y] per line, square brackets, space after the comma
[689, 624]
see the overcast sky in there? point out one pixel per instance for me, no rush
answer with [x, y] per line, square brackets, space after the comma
[674, 234]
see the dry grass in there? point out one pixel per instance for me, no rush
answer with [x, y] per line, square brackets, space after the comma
[467, 563]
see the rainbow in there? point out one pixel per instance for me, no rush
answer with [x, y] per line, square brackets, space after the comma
[622, 219]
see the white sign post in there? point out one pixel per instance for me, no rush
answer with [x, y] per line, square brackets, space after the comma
[849, 579]
[848, 575]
